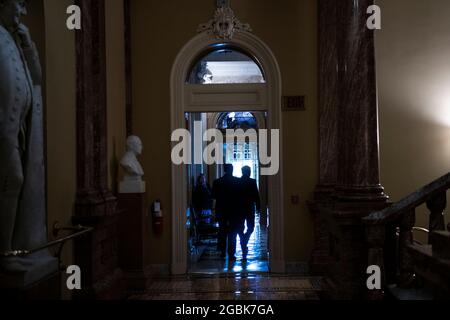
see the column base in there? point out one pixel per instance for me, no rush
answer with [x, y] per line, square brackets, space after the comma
[358, 194]
[340, 251]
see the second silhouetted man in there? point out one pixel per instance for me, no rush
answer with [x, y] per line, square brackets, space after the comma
[249, 201]
[226, 192]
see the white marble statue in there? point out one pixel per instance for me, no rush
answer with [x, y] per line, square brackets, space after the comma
[22, 172]
[133, 172]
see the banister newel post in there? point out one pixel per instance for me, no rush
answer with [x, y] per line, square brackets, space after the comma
[437, 205]
[407, 222]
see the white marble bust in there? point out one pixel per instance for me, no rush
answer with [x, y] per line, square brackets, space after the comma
[132, 182]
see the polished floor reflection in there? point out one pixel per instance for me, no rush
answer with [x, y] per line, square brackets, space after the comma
[233, 286]
[209, 261]
[213, 278]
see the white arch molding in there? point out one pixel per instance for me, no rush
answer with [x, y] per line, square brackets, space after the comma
[260, 120]
[220, 98]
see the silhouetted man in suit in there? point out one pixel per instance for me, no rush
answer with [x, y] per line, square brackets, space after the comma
[249, 199]
[226, 191]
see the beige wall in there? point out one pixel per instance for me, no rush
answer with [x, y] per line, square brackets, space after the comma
[61, 103]
[60, 70]
[60, 107]
[115, 72]
[159, 31]
[413, 52]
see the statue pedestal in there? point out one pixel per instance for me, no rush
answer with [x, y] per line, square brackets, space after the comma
[39, 278]
[132, 186]
[134, 228]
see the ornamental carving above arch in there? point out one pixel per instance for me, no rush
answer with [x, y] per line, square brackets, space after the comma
[224, 24]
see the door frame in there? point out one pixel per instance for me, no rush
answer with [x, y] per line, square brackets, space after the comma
[219, 98]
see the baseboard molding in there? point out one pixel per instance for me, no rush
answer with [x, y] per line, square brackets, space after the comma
[178, 269]
[277, 266]
[155, 270]
[298, 267]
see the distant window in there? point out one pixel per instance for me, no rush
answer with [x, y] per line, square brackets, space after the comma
[237, 120]
[225, 65]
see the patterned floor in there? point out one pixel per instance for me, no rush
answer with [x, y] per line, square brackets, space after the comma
[213, 278]
[233, 287]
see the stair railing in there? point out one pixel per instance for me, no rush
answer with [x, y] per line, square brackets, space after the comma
[390, 232]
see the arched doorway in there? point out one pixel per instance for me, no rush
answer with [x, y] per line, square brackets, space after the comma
[204, 253]
[187, 96]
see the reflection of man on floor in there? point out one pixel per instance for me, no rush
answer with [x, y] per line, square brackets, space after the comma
[225, 191]
[249, 196]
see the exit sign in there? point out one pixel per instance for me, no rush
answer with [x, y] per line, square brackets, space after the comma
[294, 103]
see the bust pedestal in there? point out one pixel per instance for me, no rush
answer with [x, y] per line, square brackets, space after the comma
[133, 229]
